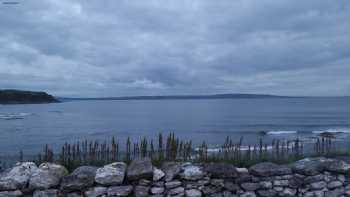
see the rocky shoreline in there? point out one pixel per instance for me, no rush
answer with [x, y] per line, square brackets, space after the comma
[310, 177]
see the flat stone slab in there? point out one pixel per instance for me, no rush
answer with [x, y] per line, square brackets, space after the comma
[47, 193]
[16, 193]
[192, 172]
[96, 191]
[81, 178]
[158, 174]
[18, 176]
[310, 166]
[171, 170]
[47, 176]
[221, 170]
[111, 174]
[269, 169]
[140, 169]
[120, 190]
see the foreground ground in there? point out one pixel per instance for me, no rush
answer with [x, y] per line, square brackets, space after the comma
[308, 177]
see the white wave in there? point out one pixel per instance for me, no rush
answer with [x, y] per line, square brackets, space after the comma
[24, 114]
[242, 148]
[335, 131]
[14, 116]
[281, 132]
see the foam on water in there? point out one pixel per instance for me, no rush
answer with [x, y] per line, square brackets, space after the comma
[334, 131]
[281, 132]
[242, 148]
[14, 116]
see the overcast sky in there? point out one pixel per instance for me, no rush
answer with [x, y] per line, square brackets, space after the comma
[118, 48]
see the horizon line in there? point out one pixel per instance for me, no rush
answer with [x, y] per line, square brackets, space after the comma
[192, 96]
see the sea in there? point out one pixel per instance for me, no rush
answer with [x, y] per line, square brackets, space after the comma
[29, 127]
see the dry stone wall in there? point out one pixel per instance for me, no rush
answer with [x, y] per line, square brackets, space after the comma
[310, 177]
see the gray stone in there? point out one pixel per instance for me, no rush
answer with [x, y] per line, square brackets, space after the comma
[172, 184]
[207, 190]
[338, 166]
[144, 182]
[318, 185]
[347, 192]
[280, 183]
[18, 176]
[57, 169]
[204, 181]
[96, 192]
[320, 194]
[221, 170]
[334, 184]
[328, 177]
[119, 190]
[314, 194]
[171, 170]
[335, 193]
[74, 194]
[192, 185]
[193, 193]
[47, 176]
[81, 178]
[242, 170]
[217, 182]
[111, 174]
[265, 185]
[157, 190]
[158, 184]
[192, 172]
[278, 189]
[16, 193]
[158, 174]
[175, 191]
[46, 193]
[310, 166]
[250, 186]
[231, 186]
[288, 192]
[244, 178]
[219, 194]
[228, 194]
[140, 169]
[141, 191]
[267, 193]
[296, 181]
[315, 178]
[341, 178]
[178, 195]
[269, 169]
[248, 194]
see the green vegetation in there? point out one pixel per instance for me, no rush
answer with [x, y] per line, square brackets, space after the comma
[172, 148]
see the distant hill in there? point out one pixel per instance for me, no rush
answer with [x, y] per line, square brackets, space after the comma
[25, 97]
[181, 97]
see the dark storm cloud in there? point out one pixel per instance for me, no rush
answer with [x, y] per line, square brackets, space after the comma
[114, 48]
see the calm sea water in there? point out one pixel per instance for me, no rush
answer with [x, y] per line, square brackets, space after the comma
[30, 127]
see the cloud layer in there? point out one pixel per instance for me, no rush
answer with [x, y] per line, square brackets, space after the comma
[119, 48]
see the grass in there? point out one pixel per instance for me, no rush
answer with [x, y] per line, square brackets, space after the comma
[171, 148]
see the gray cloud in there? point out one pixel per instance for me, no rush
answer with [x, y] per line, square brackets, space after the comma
[117, 48]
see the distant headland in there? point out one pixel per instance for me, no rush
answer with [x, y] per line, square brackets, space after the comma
[180, 97]
[25, 97]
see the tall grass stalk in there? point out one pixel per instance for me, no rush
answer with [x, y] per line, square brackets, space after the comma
[93, 152]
